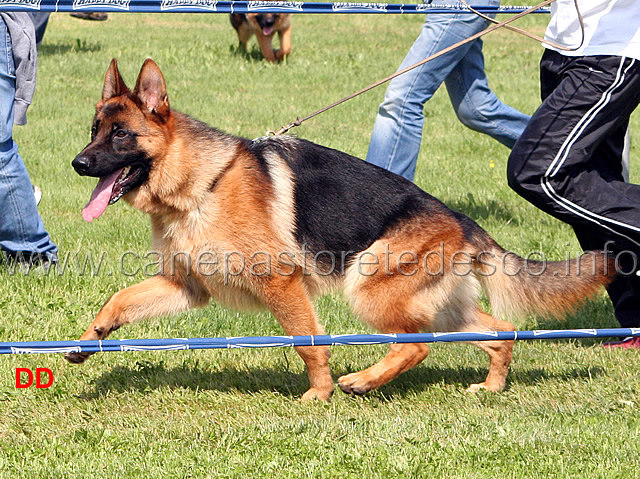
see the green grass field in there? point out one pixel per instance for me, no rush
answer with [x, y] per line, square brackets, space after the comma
[570, 408]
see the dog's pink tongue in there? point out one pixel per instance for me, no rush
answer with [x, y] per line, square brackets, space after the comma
[266, 31]
[100, 197]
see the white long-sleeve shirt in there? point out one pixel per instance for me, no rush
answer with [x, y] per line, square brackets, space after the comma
[612, 27]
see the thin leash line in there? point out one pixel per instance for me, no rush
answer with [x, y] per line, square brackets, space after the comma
[532, 35]
[490, 29]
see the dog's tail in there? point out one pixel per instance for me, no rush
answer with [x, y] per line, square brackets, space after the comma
[519, 286]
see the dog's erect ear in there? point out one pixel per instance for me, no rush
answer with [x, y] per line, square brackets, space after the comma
[152, 90]
[113, 83]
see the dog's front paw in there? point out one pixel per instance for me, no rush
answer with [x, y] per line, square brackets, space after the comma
[486, 386]
[355, 383]
[76, 358]
[315, 394]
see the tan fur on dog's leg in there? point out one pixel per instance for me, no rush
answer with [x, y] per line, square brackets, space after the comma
[401, 358]
[499, 353]
[285, 44]
[289, 303]
[153, 297]
[266, 47]
[244, 34]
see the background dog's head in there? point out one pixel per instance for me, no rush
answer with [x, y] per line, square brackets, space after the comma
[266, 22]
[124, 128]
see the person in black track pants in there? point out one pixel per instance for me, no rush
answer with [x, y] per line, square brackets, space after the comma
[568, 161]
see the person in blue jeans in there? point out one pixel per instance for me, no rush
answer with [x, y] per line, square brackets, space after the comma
[397, 133]
[23, 237]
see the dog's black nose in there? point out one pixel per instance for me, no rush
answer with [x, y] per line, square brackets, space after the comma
[81, 164]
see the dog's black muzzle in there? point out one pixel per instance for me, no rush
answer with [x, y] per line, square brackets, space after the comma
[94, 162]
[81, 164]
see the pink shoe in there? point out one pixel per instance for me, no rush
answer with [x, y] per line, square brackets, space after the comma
[627, 343]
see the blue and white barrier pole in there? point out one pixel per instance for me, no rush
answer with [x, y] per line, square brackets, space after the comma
[107, 345]
[213, 6]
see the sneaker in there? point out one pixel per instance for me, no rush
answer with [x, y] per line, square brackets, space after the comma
[95, 16]
[627, 343]
[27, 261]
[37, 194]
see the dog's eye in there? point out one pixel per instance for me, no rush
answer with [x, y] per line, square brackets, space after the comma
[120, 134]
[94, 131]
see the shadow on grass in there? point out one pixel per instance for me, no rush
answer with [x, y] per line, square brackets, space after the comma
[481, 210]
[146, 376]
[420, 379]
[252, 55]
[593, 314]
[81, 46]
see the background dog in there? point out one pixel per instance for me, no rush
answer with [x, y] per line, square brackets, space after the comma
[277, 222]
[264, 26]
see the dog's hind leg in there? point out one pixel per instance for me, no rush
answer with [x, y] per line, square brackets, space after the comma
[424, 286]
[388, 298]
[155, 296]
[385, 305]
[401, 358]
[499, 352]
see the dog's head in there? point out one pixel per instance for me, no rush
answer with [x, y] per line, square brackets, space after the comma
[125, 129]
[267, 22]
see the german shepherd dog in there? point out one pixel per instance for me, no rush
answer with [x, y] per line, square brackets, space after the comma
[287, 220]
[264, 26]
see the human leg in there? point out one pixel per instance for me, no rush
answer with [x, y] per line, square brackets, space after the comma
[21, 228]
[477, 106]
[397, 133]
[568, 161]
[572, 146]
[624, 290]
[40, 21]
